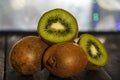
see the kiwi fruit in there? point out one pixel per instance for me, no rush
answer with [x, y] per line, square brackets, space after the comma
[57, 25]
[26, 55]
[95, 50]
[65, 59]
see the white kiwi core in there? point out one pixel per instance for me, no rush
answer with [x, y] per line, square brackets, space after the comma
[93, 50]
[57, 26]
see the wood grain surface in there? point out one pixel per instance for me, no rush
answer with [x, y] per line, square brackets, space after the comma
[2, 57]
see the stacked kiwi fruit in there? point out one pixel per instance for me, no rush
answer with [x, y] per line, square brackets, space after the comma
[56, 49]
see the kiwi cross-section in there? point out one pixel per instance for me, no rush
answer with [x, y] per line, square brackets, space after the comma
[57, 25]
[95, 50]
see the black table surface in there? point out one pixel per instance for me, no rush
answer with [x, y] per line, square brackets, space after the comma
[111, 71]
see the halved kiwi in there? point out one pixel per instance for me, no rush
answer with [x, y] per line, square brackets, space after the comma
[57, 25]
[65, 59]
[95, 50]
[26, 55]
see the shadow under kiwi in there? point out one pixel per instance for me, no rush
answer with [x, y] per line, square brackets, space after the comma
[99, 74]
[79, 76]
[13, 75]
[53, 77]
[40, 75]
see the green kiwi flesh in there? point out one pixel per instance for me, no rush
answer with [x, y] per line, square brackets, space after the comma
[65, 59]
[26, 55]
[57, 25]
[95, 50]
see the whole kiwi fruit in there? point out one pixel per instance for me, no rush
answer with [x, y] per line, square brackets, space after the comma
[95, 50]
[57, 25]
[65, 59]
[26, 55]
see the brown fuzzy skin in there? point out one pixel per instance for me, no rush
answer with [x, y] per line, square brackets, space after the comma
[26, 55]
[65, 59]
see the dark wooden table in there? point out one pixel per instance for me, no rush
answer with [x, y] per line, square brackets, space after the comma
[109, 72]
[2, 57]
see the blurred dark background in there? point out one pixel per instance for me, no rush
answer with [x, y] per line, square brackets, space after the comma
[19, 18]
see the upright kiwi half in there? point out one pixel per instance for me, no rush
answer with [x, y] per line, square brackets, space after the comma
[95, 50]
[57, 25]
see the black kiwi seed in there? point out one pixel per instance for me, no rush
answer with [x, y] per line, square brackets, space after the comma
[57, 25]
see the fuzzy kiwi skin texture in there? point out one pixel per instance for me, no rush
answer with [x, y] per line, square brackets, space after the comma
[101, 60]
[65, 59]
[53, 36]
[26, 55]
